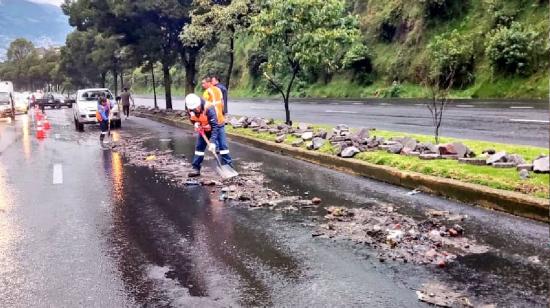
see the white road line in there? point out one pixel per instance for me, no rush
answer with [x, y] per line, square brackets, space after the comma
[385, 104]
[165, 140]
[341, 111]
[57, 174]
[465, 106]
[521, 107]
[420, 104]
[529, 121]
[56, 136]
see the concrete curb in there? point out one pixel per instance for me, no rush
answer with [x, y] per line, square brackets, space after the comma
[506, 201]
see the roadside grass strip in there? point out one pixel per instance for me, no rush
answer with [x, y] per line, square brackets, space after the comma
[505, 179]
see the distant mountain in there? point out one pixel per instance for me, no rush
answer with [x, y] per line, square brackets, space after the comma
[43, 24]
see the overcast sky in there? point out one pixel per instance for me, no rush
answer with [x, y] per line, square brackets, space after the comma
[54, 2]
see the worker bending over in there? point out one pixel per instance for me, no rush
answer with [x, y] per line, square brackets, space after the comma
[210, 122]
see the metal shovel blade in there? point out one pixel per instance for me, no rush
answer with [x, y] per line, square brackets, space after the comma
[226, 172]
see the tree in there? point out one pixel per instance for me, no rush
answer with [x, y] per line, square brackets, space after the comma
[514, 49]
[148, 27]
[439, 81]
[77, 62]
[303, 35]
[215, 21]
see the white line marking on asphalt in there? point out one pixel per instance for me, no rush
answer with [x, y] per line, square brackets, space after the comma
[357, 103]
[57, 174]
[465, 106]
[420, 104]
[56, 136]
[341, 111]
[385, 104]
[521, 107]
[529, 121]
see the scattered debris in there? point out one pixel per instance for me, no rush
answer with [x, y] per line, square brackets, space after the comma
[440, 295]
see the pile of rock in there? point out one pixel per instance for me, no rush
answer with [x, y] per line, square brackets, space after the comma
[347, 144]
[436, 240]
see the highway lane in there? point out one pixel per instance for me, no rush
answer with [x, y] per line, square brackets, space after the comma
[514, 122]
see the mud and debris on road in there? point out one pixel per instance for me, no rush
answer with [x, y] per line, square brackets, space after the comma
[436, 240]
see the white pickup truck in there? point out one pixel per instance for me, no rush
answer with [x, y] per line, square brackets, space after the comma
[6, 99]
[85, 107]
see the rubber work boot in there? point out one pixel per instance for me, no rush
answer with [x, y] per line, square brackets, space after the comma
[194, 173]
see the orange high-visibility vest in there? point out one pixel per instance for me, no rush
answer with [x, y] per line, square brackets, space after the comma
[214, 96]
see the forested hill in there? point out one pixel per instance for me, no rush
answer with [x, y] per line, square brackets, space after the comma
[501, 48]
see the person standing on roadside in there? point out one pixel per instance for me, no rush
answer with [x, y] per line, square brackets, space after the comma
[212, 95]
[126, 97]
[102, 115]
[216, 82]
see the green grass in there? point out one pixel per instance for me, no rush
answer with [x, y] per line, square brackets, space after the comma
[505, 179]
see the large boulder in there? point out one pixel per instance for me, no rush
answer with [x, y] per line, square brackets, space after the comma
[361, 134]
[321, 134]
[515, 159]
[307, 136]
[235, 123]
[317, 143]
[427, 148]
[462, 150]
[280, 139]
[409, 145]
[298, 143]
[499, 157]
[395, 148]
[349, 152]
[541, 165]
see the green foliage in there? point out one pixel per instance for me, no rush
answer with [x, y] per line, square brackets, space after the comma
[392, 92]
[452, 53]
[514, 49]
[303, 36]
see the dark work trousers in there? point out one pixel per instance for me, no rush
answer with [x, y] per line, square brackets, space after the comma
[221, 146]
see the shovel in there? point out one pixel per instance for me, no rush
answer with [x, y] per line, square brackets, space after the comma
[225, 171]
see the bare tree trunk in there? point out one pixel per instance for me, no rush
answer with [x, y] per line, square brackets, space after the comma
[231, 59]
[167, 85]
[190, 61]
[115, 79]
[287, 96]
[103, 77]
[122, 79]
[154, 86]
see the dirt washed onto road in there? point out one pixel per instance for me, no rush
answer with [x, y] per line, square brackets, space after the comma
[437, 240]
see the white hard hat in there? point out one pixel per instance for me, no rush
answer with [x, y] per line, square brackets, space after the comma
[192, 101]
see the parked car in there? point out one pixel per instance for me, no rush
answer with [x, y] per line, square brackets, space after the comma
[63, 101]
[85, 108]
[21, 102]
[48, 100]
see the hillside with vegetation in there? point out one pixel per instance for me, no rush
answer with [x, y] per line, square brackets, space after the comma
[498, 47]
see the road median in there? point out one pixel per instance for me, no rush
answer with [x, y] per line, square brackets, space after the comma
[508, 201]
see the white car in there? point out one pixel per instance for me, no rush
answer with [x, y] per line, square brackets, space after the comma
[85, 108]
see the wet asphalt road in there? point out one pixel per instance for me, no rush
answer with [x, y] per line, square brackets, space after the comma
[517, 122]
[111, 235]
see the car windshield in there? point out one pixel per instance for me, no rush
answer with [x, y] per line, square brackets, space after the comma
[94, 95]
[4, 98]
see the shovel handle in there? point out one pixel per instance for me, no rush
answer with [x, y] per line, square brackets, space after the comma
[208, 143]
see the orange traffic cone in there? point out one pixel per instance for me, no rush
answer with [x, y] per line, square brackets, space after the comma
[39, 116]
[40, 132]
[47, 123]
